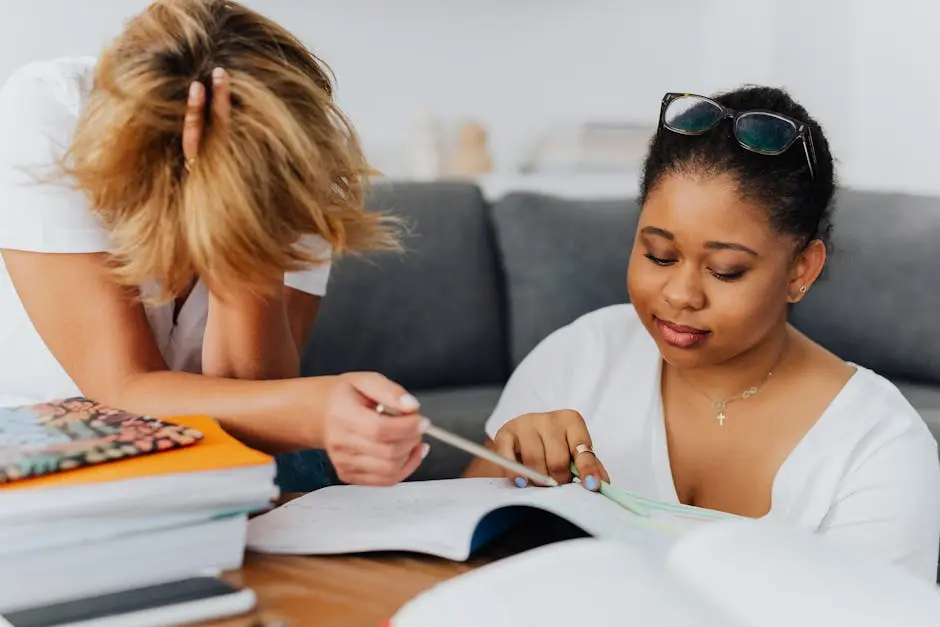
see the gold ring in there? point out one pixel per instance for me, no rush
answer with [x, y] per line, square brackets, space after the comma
[583, 448]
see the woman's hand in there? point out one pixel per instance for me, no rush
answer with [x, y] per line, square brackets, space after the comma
[547, 443]
[367, 447]
[194, 121]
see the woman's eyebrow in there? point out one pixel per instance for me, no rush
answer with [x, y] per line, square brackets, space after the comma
[711, 245]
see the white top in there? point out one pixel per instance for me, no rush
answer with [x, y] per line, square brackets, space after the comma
[39, 108]
[866, 474]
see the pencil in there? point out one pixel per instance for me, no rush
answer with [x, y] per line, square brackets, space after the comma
[479, 451]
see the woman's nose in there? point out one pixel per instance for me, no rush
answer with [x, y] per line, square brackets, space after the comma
[683, 289]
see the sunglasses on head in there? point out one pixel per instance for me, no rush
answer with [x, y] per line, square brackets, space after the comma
[763, 132]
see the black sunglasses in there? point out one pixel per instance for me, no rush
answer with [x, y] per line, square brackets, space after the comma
[763, 132]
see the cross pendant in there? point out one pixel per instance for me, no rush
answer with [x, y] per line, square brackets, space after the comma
[720, 408]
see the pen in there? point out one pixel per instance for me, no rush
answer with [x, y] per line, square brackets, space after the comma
[479, 451]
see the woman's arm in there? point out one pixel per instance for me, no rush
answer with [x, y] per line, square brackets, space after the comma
[251, 337]
[889, 506]
[104, 342]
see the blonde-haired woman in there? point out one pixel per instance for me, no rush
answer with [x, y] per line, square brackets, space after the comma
[168, 213]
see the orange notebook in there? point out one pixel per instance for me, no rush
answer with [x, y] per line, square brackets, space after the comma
[217, 450]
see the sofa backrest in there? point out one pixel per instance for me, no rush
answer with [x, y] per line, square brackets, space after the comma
[478, 286]
[430, 317]
[878, 304]
[562, 258]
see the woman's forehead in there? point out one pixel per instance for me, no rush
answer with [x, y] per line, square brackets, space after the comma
[706, 208]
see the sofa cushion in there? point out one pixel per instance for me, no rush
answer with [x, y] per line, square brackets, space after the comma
[462, 411]
[562, 258]
[429, 317]
[878, 303]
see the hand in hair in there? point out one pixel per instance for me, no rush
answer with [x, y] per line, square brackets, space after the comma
[195, 118]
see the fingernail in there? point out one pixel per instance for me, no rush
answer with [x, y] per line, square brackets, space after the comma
[217, 74]
[590, 482]
[423, 425]
[194, 90]
[520, 482]
[425, 449]
[409, 402]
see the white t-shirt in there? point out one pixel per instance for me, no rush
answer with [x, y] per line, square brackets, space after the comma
[39, 108]
[867, 474]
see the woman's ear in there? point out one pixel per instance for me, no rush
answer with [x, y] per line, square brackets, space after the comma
[806, 270]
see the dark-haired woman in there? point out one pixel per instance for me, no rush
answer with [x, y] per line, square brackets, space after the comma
[700, 392]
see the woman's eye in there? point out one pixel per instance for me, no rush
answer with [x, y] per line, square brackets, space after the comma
[728, 276]
[659, 261]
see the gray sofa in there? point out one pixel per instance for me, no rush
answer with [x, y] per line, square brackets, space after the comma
[480, 284]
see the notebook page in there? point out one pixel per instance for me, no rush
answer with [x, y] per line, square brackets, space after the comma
[435, 517]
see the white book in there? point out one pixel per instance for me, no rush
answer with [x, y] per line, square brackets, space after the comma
[730, 574]
[452, 518]
[40, 577]
[175, 493]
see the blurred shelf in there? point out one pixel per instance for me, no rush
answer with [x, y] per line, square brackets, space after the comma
[615, 186]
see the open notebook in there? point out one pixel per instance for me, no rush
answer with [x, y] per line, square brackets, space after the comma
[452, 518]
[741, 573]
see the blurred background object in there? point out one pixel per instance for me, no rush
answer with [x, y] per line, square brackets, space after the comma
[566, 90]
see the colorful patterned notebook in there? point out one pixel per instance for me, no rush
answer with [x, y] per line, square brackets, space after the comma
[60, 435]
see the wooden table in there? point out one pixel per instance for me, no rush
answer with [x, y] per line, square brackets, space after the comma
[364, 591]
[335, 591]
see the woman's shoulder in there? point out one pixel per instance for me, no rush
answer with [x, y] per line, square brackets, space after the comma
[610, 324]
[591, 341]
[608, 330]
[879, 399]
[62, 83]
[873, 424]
[39, 109]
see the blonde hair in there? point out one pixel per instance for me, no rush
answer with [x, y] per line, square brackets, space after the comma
[288, 165]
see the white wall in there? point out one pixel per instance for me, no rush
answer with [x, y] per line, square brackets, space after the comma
[864, 68]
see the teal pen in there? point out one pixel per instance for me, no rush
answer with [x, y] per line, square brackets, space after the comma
[617, 497]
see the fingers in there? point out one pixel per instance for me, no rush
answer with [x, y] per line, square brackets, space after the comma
[557, 455]
[368, 447]
[369, 425]
[386, 451]
[417, 456]
[589, 467]
[221, 97]
[530, 450]
[370, 470]
[506, 445]
[193, 122]
[382, 391]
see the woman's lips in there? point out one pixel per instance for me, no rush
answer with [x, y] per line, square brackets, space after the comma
[679, 335]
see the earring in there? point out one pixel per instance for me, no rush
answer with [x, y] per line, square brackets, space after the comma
[802, 289]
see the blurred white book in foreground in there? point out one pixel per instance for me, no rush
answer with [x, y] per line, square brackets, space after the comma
[738, 573]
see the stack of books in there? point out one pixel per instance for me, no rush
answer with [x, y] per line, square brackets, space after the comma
[96, 500]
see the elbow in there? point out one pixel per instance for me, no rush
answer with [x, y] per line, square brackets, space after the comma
[281, 367]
